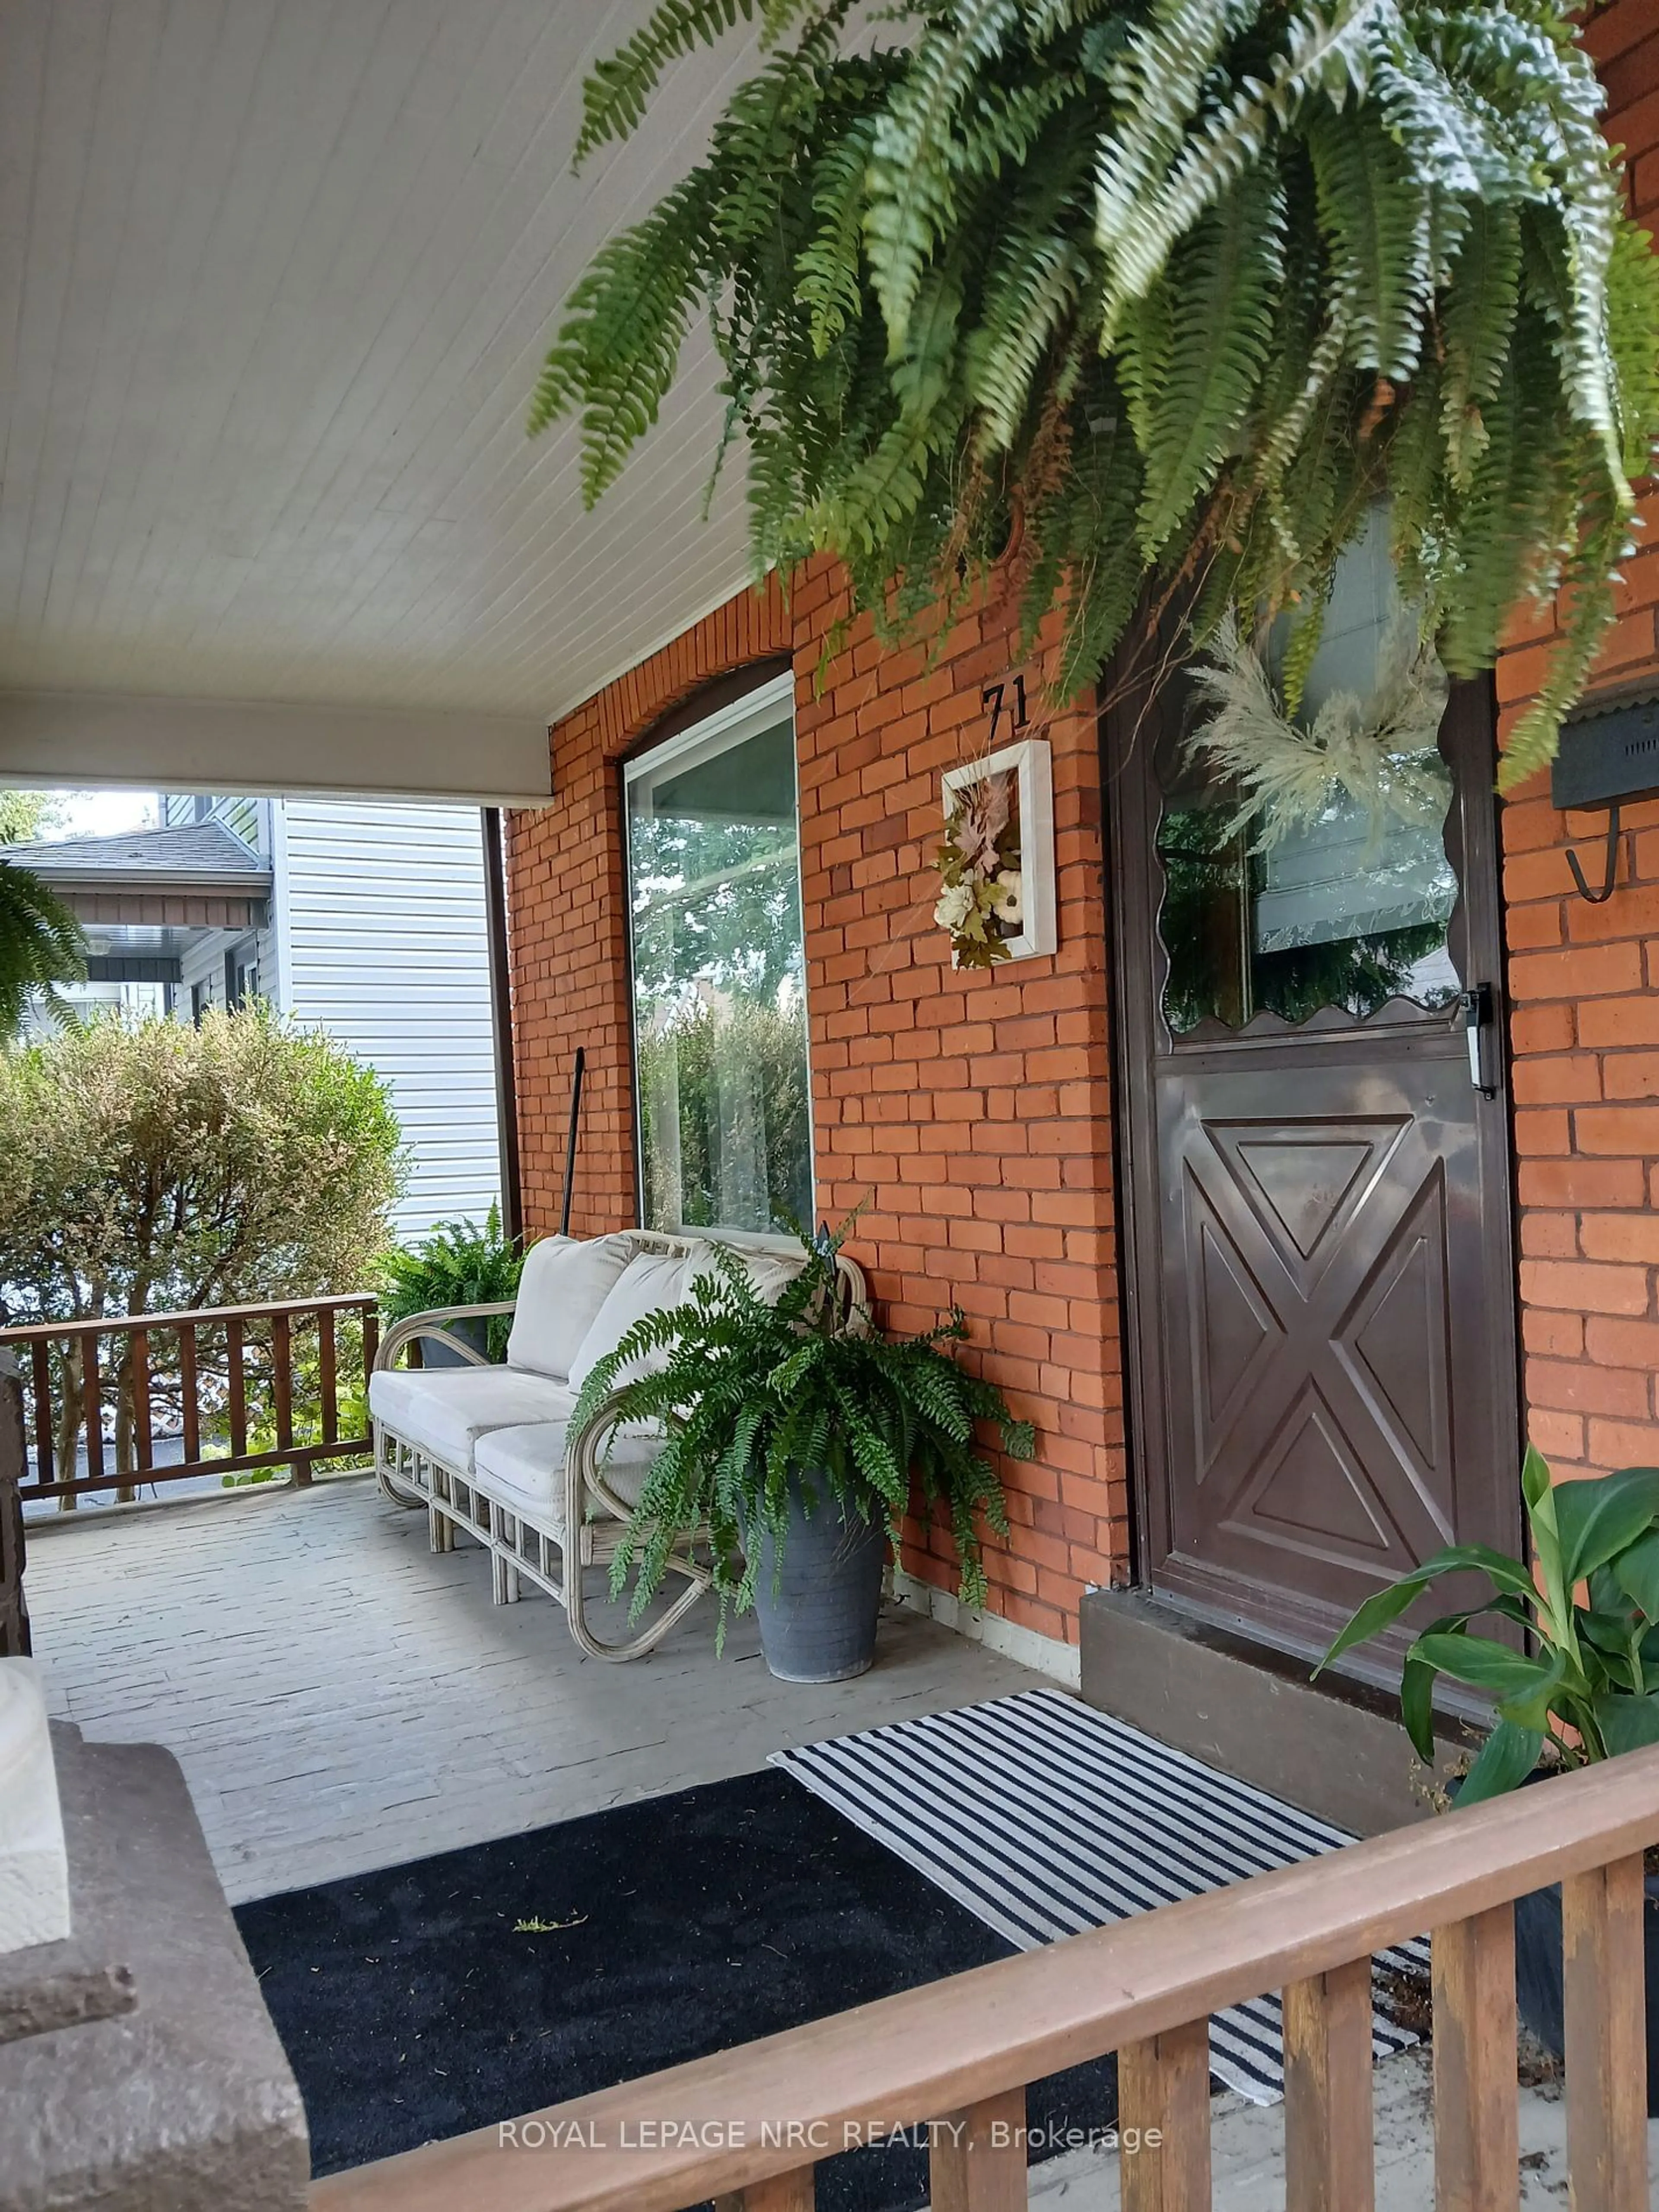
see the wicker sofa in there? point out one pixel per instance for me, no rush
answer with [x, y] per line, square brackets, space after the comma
[490, 1452]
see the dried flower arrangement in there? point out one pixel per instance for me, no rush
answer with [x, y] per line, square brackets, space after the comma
[1382, 754]
[983, 902]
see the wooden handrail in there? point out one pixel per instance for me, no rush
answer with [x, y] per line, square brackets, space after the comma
[46, 1332]
[754, 2119]
[162, 1357]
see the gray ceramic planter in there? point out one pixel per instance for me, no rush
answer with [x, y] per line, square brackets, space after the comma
[817, 1616]
[474, 1331]
[1538, 1977]
[1538, 1973]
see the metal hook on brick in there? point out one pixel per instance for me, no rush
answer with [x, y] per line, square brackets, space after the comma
[1610, 867]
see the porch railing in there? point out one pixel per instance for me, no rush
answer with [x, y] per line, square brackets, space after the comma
[746, 2126]
[274, 1385]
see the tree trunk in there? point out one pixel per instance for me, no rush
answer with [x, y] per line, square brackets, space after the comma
[70, 1401]
[124, 1425]
[14, 1468]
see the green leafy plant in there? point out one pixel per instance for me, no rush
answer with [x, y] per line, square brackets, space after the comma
[756, 1398]
[1179, 287]
[461, 1263]
[25, 815]
[41, 945]
[351, 1414]
[1590, 1688]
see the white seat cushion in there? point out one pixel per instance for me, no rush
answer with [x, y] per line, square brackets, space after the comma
[445, 1410]
[523, 1468]
[563, 1286]
[650, 1281]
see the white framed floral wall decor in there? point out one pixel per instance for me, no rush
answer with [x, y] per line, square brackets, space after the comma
[996, 863]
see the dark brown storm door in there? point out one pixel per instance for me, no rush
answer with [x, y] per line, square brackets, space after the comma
[1317, 1216]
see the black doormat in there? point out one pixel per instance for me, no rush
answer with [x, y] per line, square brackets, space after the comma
[413, 2006]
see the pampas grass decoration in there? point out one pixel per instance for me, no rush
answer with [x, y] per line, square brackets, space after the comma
[1384, 759]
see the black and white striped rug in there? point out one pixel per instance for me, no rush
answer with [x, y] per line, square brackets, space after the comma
[1046, 1818]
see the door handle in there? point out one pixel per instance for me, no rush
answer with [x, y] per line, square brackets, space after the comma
[1477, 1031]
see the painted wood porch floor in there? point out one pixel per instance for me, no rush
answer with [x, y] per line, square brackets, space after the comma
[341, 1698]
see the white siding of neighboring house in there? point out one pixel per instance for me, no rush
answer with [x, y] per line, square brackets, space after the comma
[381, 941]
[202, 963]
[205, 963]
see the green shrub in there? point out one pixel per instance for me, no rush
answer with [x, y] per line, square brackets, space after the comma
[150, 1166]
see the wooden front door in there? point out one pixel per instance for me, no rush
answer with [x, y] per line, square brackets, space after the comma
[1317, 1214]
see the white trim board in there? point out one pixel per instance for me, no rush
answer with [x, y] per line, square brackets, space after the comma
[94, 739]
[1046, 1655]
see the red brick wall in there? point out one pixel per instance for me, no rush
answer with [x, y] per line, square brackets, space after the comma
[971, 1108]
[1585, 986]
[971, 1112]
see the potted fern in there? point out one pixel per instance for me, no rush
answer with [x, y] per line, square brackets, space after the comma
[795, 1430]
[1587, 1689]
[460, 1263]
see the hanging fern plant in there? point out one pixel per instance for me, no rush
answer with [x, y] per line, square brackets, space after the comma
[1187, 284]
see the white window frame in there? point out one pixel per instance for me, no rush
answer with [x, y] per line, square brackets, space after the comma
[721, 730]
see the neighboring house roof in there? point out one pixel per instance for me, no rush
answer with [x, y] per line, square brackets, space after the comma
[199, 856]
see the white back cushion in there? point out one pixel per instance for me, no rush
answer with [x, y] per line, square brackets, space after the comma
[650, 1281]
[772, 1273]
[769, 1273]
[564, 1284]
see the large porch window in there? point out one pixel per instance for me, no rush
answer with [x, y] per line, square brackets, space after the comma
[719, 971]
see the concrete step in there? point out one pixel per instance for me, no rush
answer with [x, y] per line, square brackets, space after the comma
[1334, 1747]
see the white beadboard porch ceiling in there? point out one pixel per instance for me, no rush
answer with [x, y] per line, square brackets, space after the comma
[275, 278]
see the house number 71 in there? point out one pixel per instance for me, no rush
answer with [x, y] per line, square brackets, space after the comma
[995, 697]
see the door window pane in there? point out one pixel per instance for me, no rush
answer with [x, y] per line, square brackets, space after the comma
[718, 966]
[1349, 910]
[1336, 916]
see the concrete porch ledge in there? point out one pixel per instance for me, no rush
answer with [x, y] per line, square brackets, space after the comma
[1334, 1747]
[184, 2102]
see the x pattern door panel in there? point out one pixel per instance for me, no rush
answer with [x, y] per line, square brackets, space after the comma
[1328, 1366]
[1315, 1262]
